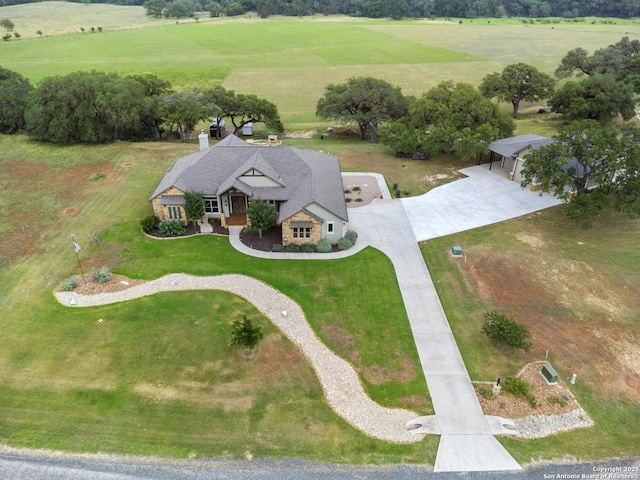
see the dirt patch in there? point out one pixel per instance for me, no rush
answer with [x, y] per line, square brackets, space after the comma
[40, 194]
[531, 240]
[437, 178]
[379, 375]
[548, 397]
[576, 321]
[417, 402]
[275, 360]
[340, 338]
[307, 134]
[203, 396]
[89, 285]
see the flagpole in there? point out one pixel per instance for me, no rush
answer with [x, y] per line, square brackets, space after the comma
[77, 248]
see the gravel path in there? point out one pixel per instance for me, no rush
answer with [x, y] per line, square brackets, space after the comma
[538, 426]
[340, 382]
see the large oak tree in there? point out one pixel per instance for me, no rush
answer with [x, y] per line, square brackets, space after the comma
[516, 83]
[450, 117]
[242, 109]
[14, 91]
[598, 97]
[366, 101]
[589, 166]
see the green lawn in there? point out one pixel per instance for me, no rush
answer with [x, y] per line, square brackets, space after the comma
[154, 375]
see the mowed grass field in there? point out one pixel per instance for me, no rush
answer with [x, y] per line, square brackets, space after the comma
[287, 60]
[155, 376]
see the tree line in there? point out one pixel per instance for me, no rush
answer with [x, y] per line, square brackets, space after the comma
[384, 8]
[96, 107]
[398, 9]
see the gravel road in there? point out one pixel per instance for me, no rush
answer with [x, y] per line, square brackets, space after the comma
[21, 466]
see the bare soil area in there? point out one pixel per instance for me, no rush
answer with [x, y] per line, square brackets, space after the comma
[28, 214]
[576, 320]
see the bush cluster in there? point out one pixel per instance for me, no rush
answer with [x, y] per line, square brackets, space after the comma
[505, 330]
[149, 223]
[324, 246]
[344, 243]
[170, 228]
[69, 285]
[519, 388]
[557, 401]
[102, 275]
[352, 236]
[309, 248]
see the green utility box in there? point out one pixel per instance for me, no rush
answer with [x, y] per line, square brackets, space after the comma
[456, 251]
[549, 373]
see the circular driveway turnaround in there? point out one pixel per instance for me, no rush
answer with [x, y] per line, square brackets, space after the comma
[340, 382]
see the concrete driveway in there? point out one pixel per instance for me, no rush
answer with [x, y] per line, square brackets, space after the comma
[483, 198]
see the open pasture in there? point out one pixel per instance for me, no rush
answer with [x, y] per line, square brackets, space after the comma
[66, 378]
[289, 61]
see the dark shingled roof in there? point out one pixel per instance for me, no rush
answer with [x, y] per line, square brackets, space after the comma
[304, 176]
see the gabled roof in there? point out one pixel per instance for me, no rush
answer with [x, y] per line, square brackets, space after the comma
[256, 161]
[305, 177]
[510, 147]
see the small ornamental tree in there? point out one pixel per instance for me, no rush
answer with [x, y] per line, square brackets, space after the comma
[194, 205]
[507, 331]
[244, 334]
[261, 214]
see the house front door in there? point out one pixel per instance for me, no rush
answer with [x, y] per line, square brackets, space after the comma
[238, 204]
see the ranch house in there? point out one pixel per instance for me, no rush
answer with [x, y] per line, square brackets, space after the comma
[305, 187]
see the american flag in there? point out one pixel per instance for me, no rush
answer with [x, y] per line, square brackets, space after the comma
[75, 244]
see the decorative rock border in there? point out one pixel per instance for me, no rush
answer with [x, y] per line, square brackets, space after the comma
[538, 426]
[341, 384]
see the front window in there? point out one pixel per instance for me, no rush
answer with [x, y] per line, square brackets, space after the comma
[211, 205]
[301, 232]
[175, 213]
[330, 228]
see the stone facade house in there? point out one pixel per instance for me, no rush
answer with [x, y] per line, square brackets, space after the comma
[304, 185]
